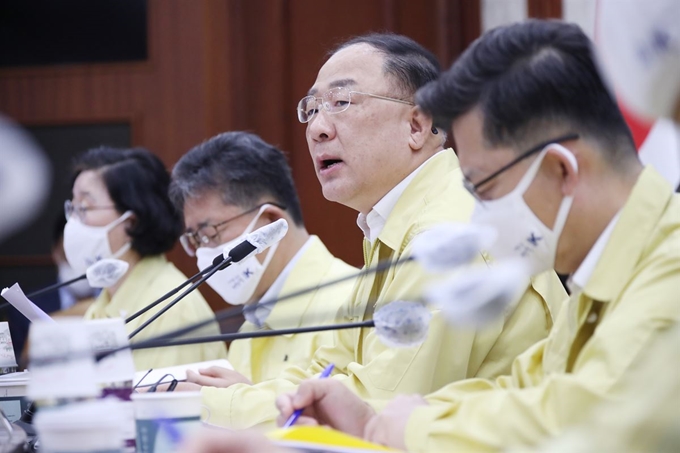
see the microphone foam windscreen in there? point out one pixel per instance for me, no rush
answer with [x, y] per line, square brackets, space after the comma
[479, 295]
[402, 324]
[450, 245]
[268, 235]
[25, 178]
[105, 273]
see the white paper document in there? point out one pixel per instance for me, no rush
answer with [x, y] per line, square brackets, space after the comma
[178, 372]
[18, 299]
[7, 358]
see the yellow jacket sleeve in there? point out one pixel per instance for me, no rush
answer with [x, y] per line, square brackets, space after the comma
[646, 418]
[601, 336]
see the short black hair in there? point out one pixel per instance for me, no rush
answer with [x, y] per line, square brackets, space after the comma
[137, 181]
[531, 79]
[407, 62]
[239, 166]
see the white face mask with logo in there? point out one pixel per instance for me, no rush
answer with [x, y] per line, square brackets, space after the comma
[520, 233]
[236, 283]
[84, 245]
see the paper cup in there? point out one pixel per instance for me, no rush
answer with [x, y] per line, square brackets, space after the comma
[90, 427]
[165, 419]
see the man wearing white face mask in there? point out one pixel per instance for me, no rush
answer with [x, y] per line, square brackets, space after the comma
[237, 283]
[120, 208]
[639, 48]
[227, 187]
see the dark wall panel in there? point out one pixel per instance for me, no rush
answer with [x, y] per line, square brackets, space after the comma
[217, 65]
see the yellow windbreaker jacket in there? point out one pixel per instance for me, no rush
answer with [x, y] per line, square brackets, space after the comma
[600, 337]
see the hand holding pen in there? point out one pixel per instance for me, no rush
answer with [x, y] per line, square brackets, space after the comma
[326, 402]
[295, 415]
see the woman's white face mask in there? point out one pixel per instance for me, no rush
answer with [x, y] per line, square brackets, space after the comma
[520, 233]
[236, 284]
[84, 245]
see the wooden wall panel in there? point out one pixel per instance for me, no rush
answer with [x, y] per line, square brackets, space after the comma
[544, 9]
[218, 65]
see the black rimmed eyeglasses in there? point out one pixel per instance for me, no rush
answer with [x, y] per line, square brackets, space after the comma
[206, 234]
[472, 187]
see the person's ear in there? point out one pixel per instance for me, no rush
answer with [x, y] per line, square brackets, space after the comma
[420, 129]
[131, 221]
[272, 213]
[565, 167]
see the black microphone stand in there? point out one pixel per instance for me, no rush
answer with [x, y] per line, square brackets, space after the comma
[165, 339]
[56, 286]
[243, 335]
[45, 290]
[216, 267]
[169, 294]
[238, 311]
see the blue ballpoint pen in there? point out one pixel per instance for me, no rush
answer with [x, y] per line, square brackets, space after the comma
[295, 415]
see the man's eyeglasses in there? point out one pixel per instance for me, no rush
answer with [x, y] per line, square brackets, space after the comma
[473, 187]
[79, 211]
[334, 101]
[207, 234]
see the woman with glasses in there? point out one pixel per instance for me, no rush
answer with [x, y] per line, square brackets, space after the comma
[120, 209]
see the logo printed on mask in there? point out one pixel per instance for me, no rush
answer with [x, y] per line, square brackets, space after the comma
[533, 239]
[237, 283]
[520, 233]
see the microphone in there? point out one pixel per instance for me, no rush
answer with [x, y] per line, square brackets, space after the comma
[173, 291]
[26, 177]
[399, 324]
[481, 294]
[452, 246]
[106, 272]
[102, 274]
[55, 286]
[256, 242]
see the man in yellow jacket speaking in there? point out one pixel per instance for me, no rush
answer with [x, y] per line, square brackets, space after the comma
[375, 152]
[227, 187]
[546, 152]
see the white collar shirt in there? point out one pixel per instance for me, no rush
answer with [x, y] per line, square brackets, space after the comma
[373, 223]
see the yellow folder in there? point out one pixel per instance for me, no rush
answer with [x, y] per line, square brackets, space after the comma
[321, 439]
